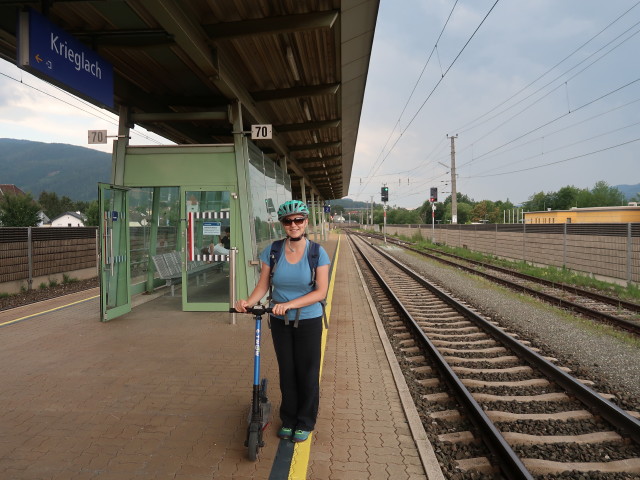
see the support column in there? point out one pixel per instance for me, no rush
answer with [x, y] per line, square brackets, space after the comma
[240, 216]
[303, 189]
[153, 237]
[313, 214]
[323, 217]
[120, 146]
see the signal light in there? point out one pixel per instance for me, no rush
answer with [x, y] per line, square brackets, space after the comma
[384, 194]
[434, 194]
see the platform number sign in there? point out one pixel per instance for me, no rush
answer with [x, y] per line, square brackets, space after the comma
[97, 136]
[260, 132]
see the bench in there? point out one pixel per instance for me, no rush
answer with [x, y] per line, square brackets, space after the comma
[169, 267]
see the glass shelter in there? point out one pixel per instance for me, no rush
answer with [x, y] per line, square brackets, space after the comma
[176, 216]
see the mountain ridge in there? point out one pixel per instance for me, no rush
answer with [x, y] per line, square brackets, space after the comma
[67, 170]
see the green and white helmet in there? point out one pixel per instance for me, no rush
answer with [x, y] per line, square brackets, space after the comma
[292, 206]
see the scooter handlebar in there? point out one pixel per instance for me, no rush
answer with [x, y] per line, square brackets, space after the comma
[255, 310]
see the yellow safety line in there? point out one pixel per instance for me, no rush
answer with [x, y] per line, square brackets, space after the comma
[46, 311]
[301, 451]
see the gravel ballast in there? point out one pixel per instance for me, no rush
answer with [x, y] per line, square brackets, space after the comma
[604, 355]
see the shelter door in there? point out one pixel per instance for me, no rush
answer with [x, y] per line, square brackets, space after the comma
[208, 238]
[115, 298]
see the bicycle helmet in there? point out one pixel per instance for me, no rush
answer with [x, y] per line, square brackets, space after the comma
[292, 206]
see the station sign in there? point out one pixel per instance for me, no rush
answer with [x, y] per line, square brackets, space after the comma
[50, 53]
[261, 132]
[97, 136]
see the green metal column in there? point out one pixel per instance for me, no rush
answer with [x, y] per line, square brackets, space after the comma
[246, 275]
[120, 147]
[153, 237]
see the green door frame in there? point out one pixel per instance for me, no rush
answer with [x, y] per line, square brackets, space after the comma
[188, 306]
[115, 262]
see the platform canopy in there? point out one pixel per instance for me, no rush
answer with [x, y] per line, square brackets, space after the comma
[299, 65]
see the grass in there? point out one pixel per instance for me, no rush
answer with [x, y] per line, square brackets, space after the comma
[66, 279]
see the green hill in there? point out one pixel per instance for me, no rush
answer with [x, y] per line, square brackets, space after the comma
[66, 170]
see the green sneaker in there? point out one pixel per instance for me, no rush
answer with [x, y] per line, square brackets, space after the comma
[300, 436]
[285, 433]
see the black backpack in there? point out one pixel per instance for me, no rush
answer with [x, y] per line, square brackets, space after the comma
[313, 256]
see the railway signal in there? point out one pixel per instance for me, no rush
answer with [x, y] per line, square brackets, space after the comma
[384, 194]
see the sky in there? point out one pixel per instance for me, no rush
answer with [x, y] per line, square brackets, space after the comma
[538, 95]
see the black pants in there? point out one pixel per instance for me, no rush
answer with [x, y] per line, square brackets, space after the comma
[298, 352]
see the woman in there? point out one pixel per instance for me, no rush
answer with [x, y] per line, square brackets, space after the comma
[297, 344]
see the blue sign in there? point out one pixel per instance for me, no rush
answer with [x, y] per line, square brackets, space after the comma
[114, 215]
[52, 54]
[327, 209]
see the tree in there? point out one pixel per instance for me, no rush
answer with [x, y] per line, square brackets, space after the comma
[54, 206]
[485, 212]
[565, 198]
[605, 196]
[402, 216]
[538, 202]
[92, 213]
[18, 211]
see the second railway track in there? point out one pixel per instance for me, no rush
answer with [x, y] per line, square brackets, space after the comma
[613, 311]
[492, 406]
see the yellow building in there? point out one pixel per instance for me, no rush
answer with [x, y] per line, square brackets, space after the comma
[626, 214]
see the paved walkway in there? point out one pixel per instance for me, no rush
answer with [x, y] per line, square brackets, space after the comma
[164, 394]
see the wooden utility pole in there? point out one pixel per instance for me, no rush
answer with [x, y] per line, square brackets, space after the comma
[454, 194]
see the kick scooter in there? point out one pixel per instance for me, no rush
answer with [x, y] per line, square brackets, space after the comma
[260, 405]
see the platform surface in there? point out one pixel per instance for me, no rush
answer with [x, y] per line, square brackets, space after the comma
[164, 394]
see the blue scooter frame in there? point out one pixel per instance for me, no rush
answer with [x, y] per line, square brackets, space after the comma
[260, 405]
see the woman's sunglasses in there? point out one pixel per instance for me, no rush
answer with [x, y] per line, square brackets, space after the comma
[297, 221]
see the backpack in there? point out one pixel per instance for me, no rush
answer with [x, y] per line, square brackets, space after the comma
[313, 256]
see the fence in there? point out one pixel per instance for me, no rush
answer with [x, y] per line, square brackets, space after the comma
[33, 255]
[606, 249]
[30, 255]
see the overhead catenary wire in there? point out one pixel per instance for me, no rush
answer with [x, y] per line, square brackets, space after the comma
[93, 110]
[563, 84]
[560, 161]
[467, 126]
[574, 103]
[411, 94]
[438, 84]
[419, 188]
[539, 127]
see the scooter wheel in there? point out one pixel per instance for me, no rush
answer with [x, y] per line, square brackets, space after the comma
[253, 446]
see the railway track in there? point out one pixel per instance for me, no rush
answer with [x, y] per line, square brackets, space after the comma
[603, 308]
[492, 406]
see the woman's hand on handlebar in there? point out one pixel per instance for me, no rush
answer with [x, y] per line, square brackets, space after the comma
[241, 306]
[280, 309]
